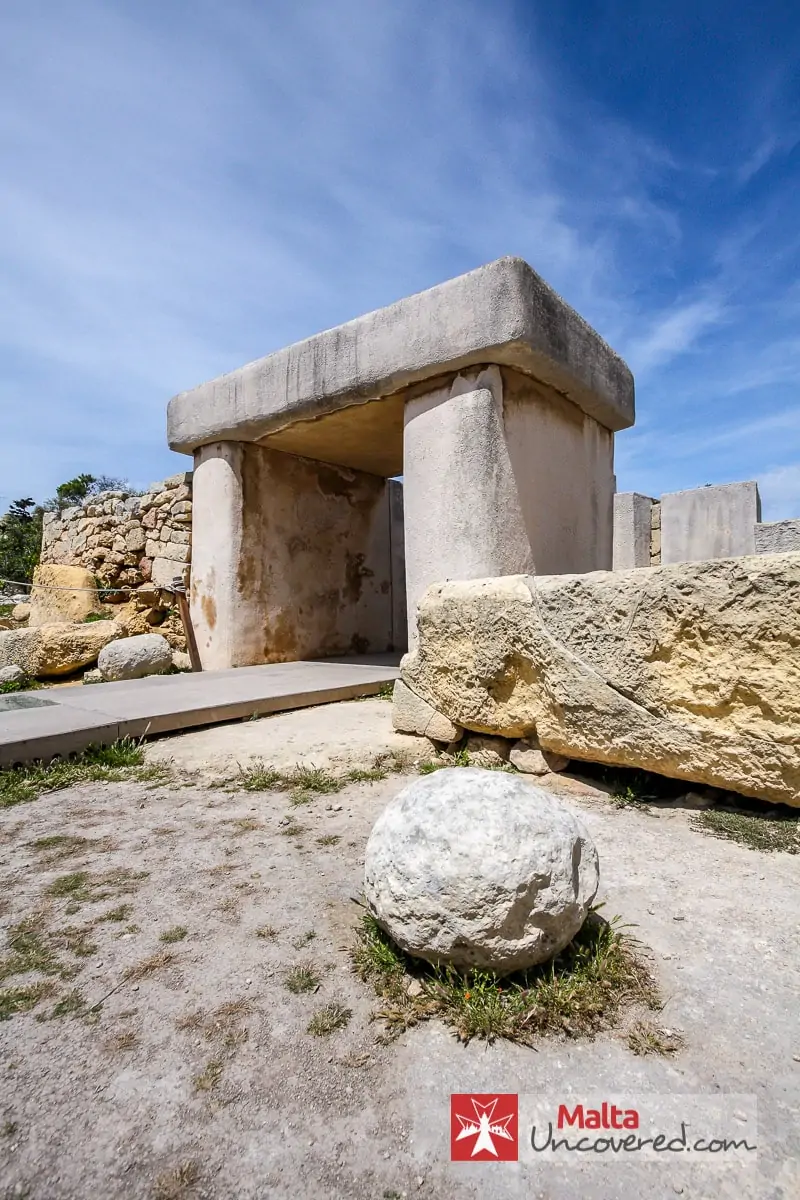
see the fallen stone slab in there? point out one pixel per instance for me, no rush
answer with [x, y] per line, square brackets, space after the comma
[689, 670]
[52, 650]
[479, 869]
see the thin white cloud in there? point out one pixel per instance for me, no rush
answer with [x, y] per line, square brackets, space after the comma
[674, 333]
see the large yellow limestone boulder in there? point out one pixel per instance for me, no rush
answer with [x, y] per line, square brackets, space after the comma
[690, 670]
[52, 650]
[62, 603]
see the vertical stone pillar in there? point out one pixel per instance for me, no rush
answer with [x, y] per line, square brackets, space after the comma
[632, 530]
[290, 558]
[503, 477]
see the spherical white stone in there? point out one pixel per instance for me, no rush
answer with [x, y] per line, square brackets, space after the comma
[480, 869]
[135, 657]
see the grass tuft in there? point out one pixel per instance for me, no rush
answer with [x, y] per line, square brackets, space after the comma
[646, 1038]
[767, 832]
[110, 764]
[176, 934]
[175, 1184]
[577, 994]
[302, 978]
[210, 1076]
[22, 999]
[328, 1019]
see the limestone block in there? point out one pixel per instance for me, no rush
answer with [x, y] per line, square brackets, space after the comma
[146, 502]
[152, 548]
[176, 550]
[632, 530]
[135, 657]
[183, 509]
[777, 537]
[52, 650]
[479, 869]
[164, 570]
[709, 522]
[182, 537]
[135, 539]
[688, 670]
[487, 752]
[181, 660]
[412, 714]
[528, 756]
[50, 606]
[119, 545]
[149, 519]
[21, 612]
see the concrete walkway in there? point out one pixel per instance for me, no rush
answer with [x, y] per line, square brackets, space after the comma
[61, 721]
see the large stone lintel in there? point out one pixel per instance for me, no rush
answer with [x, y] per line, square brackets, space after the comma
[502, 313]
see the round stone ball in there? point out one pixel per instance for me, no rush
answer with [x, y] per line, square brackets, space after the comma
[480, 869]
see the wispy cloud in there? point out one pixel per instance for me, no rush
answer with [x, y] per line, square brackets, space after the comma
[673, 333]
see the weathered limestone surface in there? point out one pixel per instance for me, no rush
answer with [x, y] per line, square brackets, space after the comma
[412, 714]
[291, 558]
[52, 650]
[479, 869]
[632, 530]
[709, 522]
[135, 657]
[777, 537]
[691, 670]
[52, 603]
[503, 478]
[502, 313]
[529, 757]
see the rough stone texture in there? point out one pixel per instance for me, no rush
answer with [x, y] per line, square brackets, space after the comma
[52, 650]
[709, 522]
[479, 868]
[21, 612]
[412, 714]
[12, 674]
[291, 558]
[135, 657]
[529, 757]
[502, 313]
[777, 537]
[109, 534]
[691, 671]
[632, 530]
[487, 751]
[181, 660]
[502, 478]
[52, 602]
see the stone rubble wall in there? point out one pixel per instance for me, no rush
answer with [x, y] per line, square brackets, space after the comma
[126, 541]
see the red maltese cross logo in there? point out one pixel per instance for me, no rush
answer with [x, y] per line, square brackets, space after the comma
[483, 1128]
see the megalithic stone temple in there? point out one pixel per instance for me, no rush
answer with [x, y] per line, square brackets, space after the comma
[492, 398]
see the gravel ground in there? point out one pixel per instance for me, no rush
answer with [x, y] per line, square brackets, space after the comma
[197, 1076]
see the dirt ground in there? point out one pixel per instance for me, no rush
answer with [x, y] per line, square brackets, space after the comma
[197, 1076]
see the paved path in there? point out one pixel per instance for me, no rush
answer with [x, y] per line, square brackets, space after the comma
[62, 721]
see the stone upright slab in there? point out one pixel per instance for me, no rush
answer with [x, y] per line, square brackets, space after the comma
[709, 522]
[632, 530]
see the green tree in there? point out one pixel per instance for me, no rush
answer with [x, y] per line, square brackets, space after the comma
[20, 540]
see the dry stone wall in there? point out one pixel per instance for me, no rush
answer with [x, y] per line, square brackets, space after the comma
[126, 541]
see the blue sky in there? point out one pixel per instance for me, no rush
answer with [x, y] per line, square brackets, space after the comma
[186, 185]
